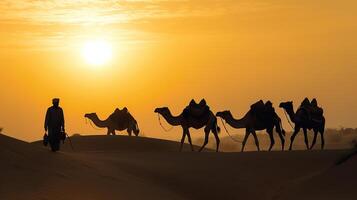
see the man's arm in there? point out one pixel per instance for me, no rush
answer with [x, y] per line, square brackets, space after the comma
[47, 119]
[62, 120]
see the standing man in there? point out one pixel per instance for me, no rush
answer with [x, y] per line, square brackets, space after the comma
[54, 124]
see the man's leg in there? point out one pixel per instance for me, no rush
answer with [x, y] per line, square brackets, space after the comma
[54, 138]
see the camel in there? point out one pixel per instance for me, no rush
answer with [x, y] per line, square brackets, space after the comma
[301, 120]
[251, 124]
[207, 120]
[120, 120]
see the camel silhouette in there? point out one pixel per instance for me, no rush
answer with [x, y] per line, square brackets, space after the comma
[190, 118]
[120, 120]
[252, 123]
[302, 120]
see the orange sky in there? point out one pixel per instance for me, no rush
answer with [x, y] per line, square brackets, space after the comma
[231, 52]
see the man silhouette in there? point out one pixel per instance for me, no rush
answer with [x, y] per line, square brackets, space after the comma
[54, 124]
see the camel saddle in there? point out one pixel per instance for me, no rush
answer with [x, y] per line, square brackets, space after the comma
[263, 111]
[196, 110]
[119, 115]
[258, 107]
[313, 112]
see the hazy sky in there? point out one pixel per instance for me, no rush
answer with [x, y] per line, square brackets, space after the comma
[232, 52]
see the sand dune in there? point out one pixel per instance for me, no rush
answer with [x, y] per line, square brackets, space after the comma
[121, 143]
[141, 168]
[336, 182]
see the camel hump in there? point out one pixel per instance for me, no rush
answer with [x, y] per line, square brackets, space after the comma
[312, 110]
[196, 110]
[119, 115]
[268, 104]
[305, 103]
[192, 103]
[264, 111]
[203, 103]
[258, 106]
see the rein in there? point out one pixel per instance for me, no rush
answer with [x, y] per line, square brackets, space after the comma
[225, 128]
[166, 130]
[286, 115]
[70, 141]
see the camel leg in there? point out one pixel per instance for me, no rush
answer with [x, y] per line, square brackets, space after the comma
[113, 132]
[109, 131]
[314, 140]
[129, 131]
[282, 139]
[272, 141]
[322, 140]
[189, 139]
[322, 131]
[245, 139]
[256, 140]
[306, 139]
[217, 139]
[182, 140]
[292, 138]
[206, 140]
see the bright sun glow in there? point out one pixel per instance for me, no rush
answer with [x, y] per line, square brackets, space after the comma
[97, 52]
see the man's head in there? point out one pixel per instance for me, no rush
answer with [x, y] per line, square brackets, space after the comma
[55, 102]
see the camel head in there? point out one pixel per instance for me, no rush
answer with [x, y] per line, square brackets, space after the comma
[286, 105]
[224, 114]
[90, 115]
[162, 110]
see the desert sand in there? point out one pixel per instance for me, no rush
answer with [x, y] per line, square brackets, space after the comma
[121, 167]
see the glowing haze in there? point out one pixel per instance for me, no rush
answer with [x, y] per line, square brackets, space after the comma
[163, 53]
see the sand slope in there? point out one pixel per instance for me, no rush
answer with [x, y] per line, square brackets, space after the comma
[335, 182]
[135, 168]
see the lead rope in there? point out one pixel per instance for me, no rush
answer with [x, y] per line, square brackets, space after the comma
[70, 141]
[287, 118]
[225, 128]
[166, 130]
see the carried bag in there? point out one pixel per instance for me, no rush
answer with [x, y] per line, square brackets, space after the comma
[45, 139]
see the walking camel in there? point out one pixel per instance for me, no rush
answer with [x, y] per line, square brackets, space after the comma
[252, 123]
[188, 119]
[120, 120]
[302, 120]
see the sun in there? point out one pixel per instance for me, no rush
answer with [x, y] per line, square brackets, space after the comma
[97, 52]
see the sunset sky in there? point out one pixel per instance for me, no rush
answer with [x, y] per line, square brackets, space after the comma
[165, 52]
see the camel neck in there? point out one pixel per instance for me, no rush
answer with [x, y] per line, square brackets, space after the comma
[99, 122]
[172, 120]
[235, 123]
[291, 114]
